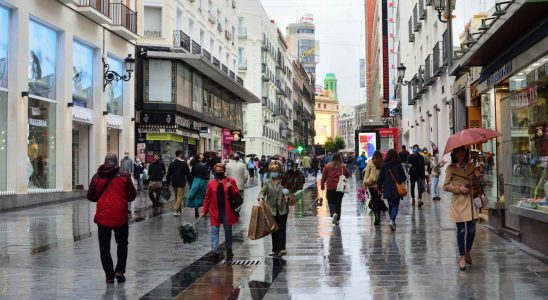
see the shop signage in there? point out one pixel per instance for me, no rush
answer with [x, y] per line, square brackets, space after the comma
[114, 121]
[290, 148]
[237, 135]
[81, 114]
[205, 130]
[527, 97]
[164, 137]
[227, 136]
[500, 74]
[170, 119]
[38, 122]
[156, 130]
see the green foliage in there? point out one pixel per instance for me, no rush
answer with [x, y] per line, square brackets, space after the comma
[334, 145]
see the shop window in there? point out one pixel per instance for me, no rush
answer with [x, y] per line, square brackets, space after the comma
[208, 103]
[159, 81]
[197, 92]
[115, 89]
[4, 46]
[3, 139]
[225, 108]
[528, 100]
[217, 106]
[82, 75]
[232, 112]
[239, 121]
[41, 144]
[42, 60]
[184, 86]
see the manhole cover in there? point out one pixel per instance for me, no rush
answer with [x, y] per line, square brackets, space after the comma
[242, 262]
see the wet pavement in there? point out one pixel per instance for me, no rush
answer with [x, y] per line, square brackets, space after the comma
[51, 252]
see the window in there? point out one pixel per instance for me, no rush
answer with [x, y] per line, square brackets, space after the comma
[206, 108]
[184, 86]
[191, 28]
[42, 60]
[306, 51]
[179, 19]
[240, 55]
[211, 46]
[82, 75]
[303, 30]
[197, 92]
[226, 108]
[160, 82]
[324, 106]
[4, 46]
[217, 106]
[41, 144]
[3, 139]
[202, 37]
[152, 21]
[115, 89]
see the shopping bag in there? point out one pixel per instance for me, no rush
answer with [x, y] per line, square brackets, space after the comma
[270, 221]
[261, 223]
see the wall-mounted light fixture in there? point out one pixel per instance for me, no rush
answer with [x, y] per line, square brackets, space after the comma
[401, 74]
[110, 76]
[105, 113]
[24, 94]
[132, 119]
[70, 104]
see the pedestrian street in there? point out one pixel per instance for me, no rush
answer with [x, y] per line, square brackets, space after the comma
[51, 252]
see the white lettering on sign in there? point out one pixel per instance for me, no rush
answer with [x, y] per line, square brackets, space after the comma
[182, 122]
[114, 121]
[81, 114]
[38, 122]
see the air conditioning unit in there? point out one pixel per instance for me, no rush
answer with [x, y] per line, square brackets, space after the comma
[233, 3]
[228, 35]
[211, 18]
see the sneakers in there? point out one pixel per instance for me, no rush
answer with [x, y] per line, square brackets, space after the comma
[282, 253]
[120, 277]
[176, 214]
[110, 280]
[420, 203]
[335, 219]
[392, 225]
[272, 253]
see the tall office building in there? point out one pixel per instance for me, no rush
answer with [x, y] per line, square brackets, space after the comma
[302, 44]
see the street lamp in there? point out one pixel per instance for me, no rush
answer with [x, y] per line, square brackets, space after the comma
[439, 6]
[401, 74]
[110, 76]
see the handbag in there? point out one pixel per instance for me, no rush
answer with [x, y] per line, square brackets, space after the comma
[342, 185]
[480, 202]
[235, 200]
[400, 187]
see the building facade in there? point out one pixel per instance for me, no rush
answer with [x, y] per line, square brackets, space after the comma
[504, 88]
[302, 43]
[188, 95]
[54, 99]
[326, 110]
[347, 127]
[374, 68]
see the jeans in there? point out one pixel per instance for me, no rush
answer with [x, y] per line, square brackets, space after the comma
[420, 187]
[393, 205]
[279, 236]
[215, 235]
[435, 181]
[179, 195]
[334, 201]
[314, 172]
[120, 235]
[362, 173]
[467, 229]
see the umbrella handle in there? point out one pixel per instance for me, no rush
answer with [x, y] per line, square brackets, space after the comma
[197, 221]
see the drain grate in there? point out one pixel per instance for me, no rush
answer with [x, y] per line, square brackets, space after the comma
[242, 262]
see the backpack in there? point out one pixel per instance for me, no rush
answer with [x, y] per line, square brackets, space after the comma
[250, 165]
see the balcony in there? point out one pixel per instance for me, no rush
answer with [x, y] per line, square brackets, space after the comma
[239, 80]
[224, 68]
[422, 10]
[428, 78]
[181, 41]
[96, 10]
[411, 34]
[196, 48]
[216, 62]
[124, 21]
[232, 74]
[417, 24]
[446, 48]
[422, 80]
[242, 64]
[206, 55]
[436, 60]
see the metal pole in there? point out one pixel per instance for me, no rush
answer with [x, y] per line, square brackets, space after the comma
[449, 13]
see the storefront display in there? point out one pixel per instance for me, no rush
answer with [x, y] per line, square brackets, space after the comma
[82, 75]
[4, 45]
[3, 139]
[80, 156]
[41, 144]
[529, 130]
[115, 89]
[42, 60]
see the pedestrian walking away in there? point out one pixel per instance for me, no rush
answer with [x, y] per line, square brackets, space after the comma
[217, 205]
[306, 164]
[127, 165]
[251, 168]
[390, 174]
[156, 173]
[458, 176]
[376, 204]
[178, 174]
[330, 178]
[238, 171]
[361, 161]
[272, 194]
[199, 177]
[416, 174]
[315, 166]
[437, 164]
[263, 169]
[403, 156]
[112, 189]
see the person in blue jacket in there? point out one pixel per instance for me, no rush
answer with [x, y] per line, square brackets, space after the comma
[361, 161]
[391, 171]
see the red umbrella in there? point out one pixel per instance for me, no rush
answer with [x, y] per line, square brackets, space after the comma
[468, 137]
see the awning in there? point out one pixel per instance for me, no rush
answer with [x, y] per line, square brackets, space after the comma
[521, 17]
[211, 71]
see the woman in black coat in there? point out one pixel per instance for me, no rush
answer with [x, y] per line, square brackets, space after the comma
[391, 170]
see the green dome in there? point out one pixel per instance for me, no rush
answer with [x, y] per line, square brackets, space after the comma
[330, 84]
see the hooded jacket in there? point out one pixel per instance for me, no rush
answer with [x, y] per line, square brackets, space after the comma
[178, 173]
[112, 204]
[156, 171]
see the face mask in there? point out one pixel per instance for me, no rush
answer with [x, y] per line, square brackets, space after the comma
[219, 175]
[415, 150]
[274, 174]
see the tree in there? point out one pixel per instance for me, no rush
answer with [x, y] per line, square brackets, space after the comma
[334, 145]
[339, 143]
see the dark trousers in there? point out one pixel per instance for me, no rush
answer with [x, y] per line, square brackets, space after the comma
[120, 236]
[393, 206]
[376, 204]
[154, 192]
[420, 187]
[334, 201]
[466, 231]
[279, 236]
[314, 172]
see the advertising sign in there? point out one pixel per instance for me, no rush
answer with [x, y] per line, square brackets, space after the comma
[367, 141]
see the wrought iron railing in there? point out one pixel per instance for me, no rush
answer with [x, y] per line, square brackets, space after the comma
[181, 40]
[123, 16]
[196, 48]
[102, 6]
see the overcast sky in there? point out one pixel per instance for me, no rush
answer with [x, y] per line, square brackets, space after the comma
[339, 26]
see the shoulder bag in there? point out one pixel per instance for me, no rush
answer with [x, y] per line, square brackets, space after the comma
[236, 201]
[400, 187]
[342, 185]
[107, 184]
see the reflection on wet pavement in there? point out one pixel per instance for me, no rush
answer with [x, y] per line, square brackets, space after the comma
[51, 252]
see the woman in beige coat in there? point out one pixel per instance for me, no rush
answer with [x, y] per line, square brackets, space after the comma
[457, 181]
[370, 182]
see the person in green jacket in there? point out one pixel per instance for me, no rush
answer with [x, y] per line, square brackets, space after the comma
[272, 194]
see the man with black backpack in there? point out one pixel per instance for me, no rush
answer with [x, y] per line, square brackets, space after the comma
[178, 174]
[112, 189]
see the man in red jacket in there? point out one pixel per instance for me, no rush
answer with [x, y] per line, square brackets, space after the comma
[112, 190]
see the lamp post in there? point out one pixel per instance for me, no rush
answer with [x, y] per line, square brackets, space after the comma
[401, 74]
[447, 6]
[110, 76]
